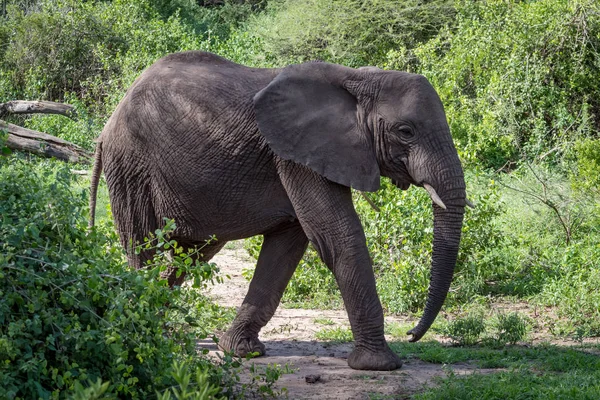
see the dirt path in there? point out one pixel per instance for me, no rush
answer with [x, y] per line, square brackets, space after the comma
[290, 339]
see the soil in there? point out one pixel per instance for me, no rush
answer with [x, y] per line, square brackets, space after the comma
[320, 368]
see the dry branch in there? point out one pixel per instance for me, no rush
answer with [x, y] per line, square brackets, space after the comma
[42, 144]
[36, 107]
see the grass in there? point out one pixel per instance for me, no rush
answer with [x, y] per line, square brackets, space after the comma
[525, 372]
[335, 335]
[518, 384]
[323, 321]
[398, 330]
[543, 357]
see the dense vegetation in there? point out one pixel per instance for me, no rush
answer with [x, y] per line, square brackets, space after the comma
[519, 80]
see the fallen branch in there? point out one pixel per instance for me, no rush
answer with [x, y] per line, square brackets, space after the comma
[43, 144]
[36, 107]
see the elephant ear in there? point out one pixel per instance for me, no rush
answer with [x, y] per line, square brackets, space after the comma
[307, 117]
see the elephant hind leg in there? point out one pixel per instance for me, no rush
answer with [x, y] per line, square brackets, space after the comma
[279, 256]
[135, 218]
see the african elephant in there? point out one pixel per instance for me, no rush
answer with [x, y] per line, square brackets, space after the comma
[233, 151]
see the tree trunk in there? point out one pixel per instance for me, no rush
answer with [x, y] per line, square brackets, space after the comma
[42, 144]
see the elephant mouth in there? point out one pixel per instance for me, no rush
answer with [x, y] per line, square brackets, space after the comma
[404, 185]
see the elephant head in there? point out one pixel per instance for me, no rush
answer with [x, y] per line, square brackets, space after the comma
[353, 126]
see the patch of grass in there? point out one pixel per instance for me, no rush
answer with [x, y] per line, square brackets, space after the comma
[397, 329]
[335, 335]
[543, 357]
[481, 324]
[323, 321]
[538, 372]
[518, 384]
[234, 245]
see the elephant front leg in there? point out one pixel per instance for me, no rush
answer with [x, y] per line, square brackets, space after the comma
[328, 218]
[346, 254]
[280, 254]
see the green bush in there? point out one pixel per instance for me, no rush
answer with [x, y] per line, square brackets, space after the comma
[56, 47]
[90, 50]
[351, 32]
[510, 328]
[466, 330]
[71, 312]
[335, 335]
[573, 291]
[517, 77]
[586, 177]
[190, 386]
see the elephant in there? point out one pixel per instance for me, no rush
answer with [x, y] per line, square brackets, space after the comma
[234, 151]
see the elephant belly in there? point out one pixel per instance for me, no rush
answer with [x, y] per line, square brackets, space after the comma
[226, 199]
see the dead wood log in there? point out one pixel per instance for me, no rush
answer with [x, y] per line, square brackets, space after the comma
[43, 144]
[36, 107]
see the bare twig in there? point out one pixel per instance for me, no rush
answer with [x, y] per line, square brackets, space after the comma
[566, 220]
[373, 205]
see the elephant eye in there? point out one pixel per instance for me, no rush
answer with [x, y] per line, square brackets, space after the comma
[404, 130]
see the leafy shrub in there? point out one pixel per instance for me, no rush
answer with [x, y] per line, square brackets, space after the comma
[510, 328]
[57, 47]
[466, 330]
[190, 386]
[71, 312]
[97, 49]
[517, 76]
[335, 335]
[586, 176]
[351, 32]
[573, 291]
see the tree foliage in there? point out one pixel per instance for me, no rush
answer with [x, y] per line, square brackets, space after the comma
[518, 77]
[352, 32]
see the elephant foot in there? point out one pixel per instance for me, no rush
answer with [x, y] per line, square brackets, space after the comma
[241, 345]
[382, 360]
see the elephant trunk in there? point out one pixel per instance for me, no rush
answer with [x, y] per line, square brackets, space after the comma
[447, 226]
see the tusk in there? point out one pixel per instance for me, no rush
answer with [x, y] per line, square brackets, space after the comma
[434, 196]
[469, 203]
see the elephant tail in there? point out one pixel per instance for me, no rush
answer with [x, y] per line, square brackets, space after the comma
[96, 172]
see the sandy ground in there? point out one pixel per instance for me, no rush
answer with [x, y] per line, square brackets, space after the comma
[320, 369]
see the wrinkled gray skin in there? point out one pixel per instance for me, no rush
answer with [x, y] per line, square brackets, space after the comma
[232, 151]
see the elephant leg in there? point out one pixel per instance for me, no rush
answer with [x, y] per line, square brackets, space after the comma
[279, 256]
[133, 211]
[326, 213]
[205, 254]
